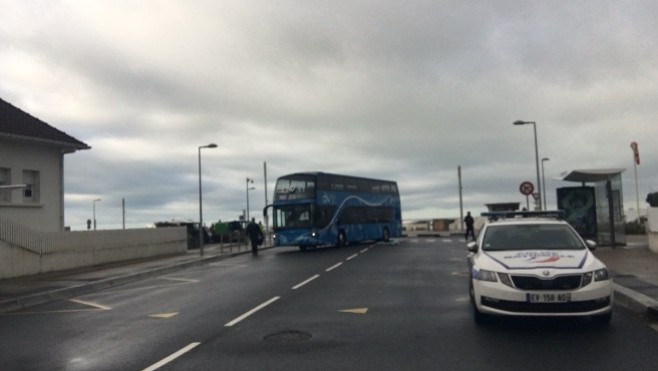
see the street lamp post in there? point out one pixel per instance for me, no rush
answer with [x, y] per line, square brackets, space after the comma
[249, 189]
[543, 179]
[93, 206]
[534, 125]
[211, 145]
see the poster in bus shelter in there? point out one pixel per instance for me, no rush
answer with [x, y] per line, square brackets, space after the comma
[579, 204]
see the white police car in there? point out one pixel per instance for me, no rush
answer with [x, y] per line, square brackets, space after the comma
[533, 264]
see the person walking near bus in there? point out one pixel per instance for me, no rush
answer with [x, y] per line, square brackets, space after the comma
[255, 235]
[469, 226]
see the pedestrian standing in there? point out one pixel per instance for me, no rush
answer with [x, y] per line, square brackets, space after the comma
[255, 235]
[469, 226]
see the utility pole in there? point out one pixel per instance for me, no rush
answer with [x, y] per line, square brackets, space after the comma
[461, 203]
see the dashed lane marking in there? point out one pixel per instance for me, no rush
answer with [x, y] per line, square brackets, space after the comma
[249, 313]
[172, 357]
[305, 282]
[333, 267]
[352, 257]
[95, 305]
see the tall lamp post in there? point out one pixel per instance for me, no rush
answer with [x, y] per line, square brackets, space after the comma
[93, 206]
[211, 145]
[249, 181]
[543, 179]
[534, 125]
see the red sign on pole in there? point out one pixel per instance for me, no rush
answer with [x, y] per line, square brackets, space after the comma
[526, 188]
[636, 152]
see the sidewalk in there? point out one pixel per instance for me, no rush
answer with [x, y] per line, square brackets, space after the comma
[25, 292]
[634, 270]
[635, 274]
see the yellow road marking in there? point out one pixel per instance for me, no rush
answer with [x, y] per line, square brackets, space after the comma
[355, 311]
[95, 305]
[164, 315]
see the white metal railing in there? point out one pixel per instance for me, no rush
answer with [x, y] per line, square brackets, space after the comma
[56, 242]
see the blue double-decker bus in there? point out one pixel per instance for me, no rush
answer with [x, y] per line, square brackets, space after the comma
[313, 209]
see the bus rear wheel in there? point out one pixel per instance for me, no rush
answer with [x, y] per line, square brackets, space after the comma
[385, 235]
[342, 239]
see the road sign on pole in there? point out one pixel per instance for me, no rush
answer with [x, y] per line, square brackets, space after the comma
[526, 188]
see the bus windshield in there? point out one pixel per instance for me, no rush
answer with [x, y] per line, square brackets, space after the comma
[293, 216]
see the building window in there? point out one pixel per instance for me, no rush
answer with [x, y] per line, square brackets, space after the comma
[5, 180]
[31, 191]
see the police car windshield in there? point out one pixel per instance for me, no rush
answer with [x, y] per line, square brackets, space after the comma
[530, 237]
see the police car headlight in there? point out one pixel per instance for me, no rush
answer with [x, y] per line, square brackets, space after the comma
[485, 275]
[601, 275]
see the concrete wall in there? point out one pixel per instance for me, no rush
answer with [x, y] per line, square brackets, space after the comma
[16, 261]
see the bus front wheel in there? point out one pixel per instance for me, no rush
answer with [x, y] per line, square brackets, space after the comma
[342, 239]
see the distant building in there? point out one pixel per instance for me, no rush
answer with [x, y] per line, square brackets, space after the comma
[32, 169]
[503, 206]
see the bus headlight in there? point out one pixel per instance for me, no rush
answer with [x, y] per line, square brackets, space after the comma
[314, 233]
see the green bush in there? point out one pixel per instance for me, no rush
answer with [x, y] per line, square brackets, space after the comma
[652, 199]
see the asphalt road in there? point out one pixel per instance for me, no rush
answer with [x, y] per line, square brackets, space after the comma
[398, 306]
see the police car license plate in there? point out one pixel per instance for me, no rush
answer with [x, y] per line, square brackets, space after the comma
[549, 298]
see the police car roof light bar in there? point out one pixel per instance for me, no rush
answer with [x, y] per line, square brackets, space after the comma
[558, 214]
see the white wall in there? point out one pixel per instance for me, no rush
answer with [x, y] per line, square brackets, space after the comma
[83, 249]
[47, 214]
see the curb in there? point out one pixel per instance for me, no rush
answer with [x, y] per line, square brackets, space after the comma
[32, 300]
[635, 301]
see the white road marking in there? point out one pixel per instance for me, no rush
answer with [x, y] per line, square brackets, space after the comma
[219, 264]
[164, 315]
[190, 280]
[364, 250]
[235, 321]
[172, 357]
[333, 267]
[95, 305]
[352, 257]
[430, 240]
[305, 282]
[447, 240]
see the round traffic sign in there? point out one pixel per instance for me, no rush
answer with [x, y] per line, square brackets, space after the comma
[526, 188]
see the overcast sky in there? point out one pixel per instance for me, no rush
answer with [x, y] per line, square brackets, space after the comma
[402, 90]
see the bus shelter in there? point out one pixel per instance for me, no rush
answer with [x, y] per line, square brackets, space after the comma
[595, 208]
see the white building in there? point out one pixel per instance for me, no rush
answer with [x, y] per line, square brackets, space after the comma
[32, 169]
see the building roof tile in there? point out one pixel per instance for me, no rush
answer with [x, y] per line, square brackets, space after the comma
[16, 123]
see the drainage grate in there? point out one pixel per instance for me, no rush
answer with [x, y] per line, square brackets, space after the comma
[288, 336]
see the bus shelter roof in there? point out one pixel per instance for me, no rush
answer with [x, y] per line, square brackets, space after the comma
[590, 175]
